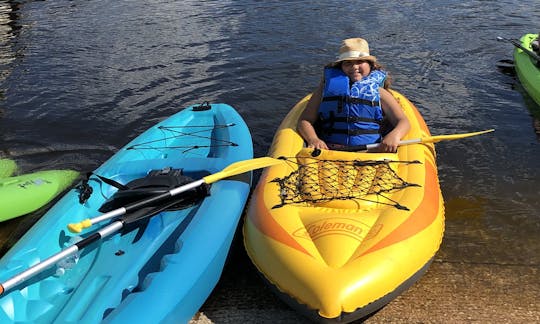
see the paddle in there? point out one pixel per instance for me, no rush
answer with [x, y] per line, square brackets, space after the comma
[518, 45]
[76, 247]
[233, 169]
[430, 139]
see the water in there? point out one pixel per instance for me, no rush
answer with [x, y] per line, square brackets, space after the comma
[79, 79]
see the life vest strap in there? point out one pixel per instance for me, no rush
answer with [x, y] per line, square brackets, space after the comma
[351, 132]
[351, 100]
[329, 122]
[351, 119]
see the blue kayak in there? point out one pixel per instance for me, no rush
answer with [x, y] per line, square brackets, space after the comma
[168, 256]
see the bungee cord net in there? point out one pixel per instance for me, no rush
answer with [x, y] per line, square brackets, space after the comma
[190, 135]
[317, 180]
[194, 132]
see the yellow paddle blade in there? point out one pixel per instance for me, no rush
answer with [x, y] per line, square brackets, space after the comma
[242, 167]
[438, 138]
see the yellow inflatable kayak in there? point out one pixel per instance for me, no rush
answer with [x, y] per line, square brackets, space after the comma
[341, 234]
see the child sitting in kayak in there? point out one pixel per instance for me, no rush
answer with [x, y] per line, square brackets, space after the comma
[348, 107]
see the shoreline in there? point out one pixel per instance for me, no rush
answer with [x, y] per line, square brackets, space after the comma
[461, 291]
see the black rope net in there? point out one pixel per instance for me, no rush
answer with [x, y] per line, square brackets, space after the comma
[194, 132]
[317, 181]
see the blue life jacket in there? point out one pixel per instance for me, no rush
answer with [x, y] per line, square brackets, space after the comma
[351, 115]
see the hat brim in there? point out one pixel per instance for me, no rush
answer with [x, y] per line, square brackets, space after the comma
[369, 58]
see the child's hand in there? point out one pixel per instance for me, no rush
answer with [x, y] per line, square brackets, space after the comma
[317, 143]
[389, 144]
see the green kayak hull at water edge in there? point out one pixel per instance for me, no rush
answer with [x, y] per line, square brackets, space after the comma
[23, 194]
[527, 70]
[7, 167]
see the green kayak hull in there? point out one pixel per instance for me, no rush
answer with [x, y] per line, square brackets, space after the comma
[7, 167]
[26, 193]
[527, 72]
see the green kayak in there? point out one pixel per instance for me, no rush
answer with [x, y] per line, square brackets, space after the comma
[26, 193]
[7, 167]
[527, 70]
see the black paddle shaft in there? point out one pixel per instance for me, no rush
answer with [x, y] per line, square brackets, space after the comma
[526, 50]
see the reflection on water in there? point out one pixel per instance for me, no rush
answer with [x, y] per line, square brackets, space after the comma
[507, 67]
[8, 31]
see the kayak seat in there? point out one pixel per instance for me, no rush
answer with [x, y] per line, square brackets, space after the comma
[155, 183]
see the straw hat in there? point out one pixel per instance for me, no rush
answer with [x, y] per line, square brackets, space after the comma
[353, 49]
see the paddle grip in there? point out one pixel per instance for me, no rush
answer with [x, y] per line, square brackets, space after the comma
[78, 227]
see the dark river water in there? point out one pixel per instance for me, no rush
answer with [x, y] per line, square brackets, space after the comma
[79, 79]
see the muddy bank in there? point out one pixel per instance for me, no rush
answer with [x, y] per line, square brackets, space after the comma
[448, 292]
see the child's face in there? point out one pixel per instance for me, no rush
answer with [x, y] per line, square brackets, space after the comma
[356, 70]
